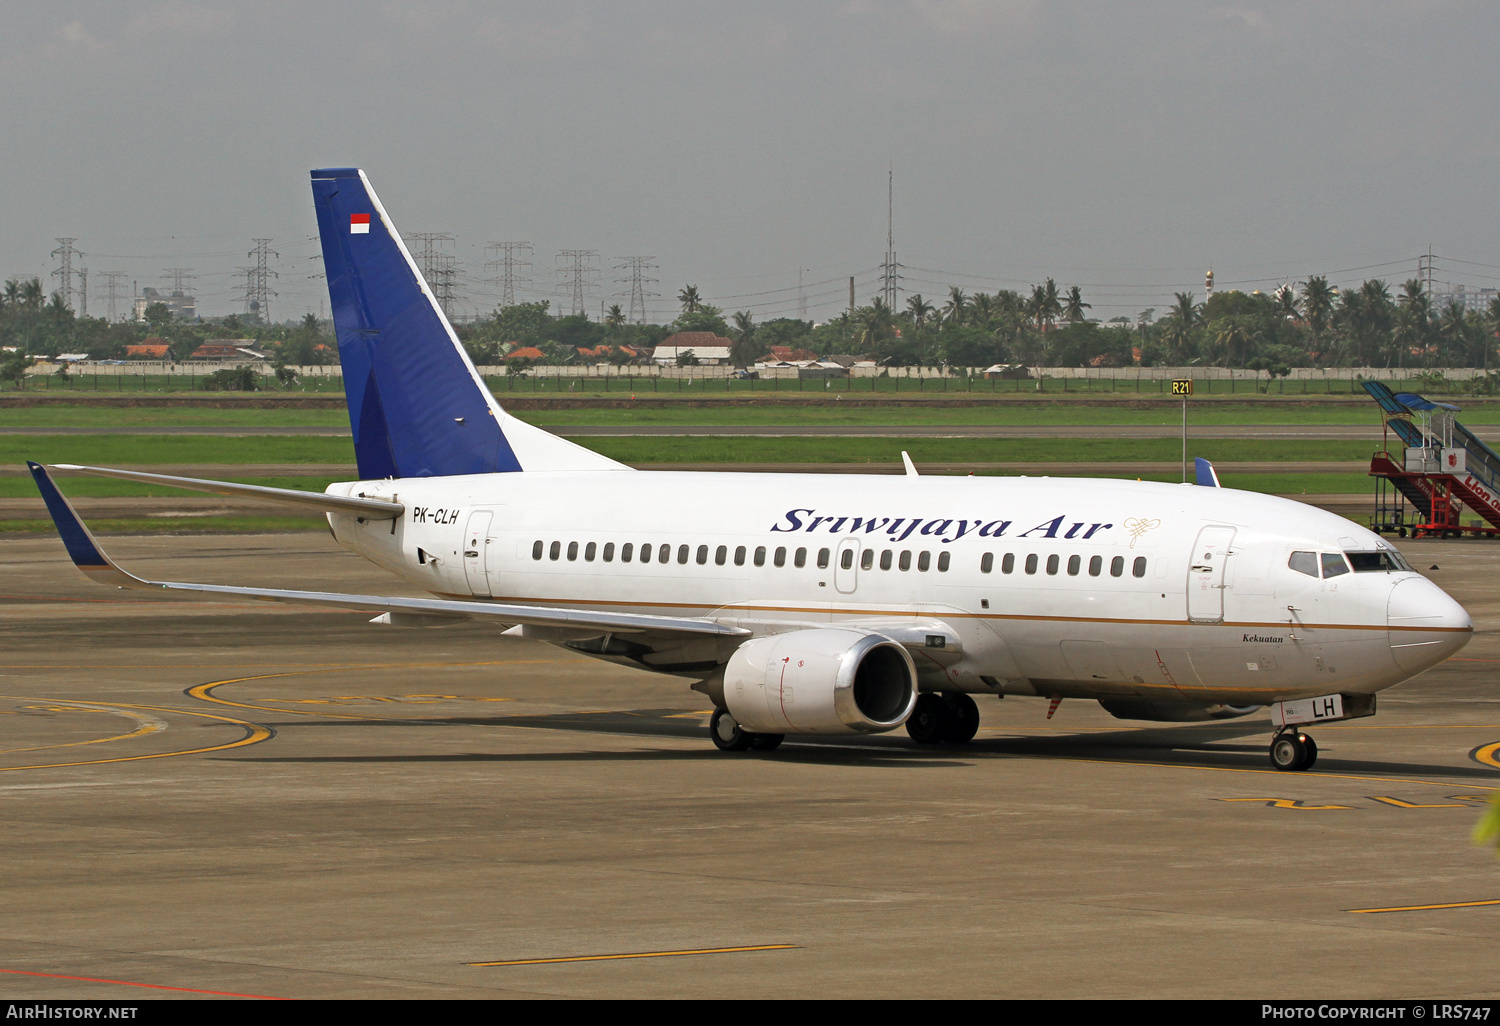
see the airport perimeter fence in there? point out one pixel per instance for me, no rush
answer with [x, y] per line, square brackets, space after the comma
[146, 377]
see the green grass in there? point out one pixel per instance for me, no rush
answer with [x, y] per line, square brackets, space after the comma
[122, 450]
[95, 415]
[968, 450]
[117, 450]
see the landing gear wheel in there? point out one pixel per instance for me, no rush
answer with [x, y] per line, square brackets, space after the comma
[928, 722]
[1292, 751]
[766, 742]
[727, 734]
[962, 717]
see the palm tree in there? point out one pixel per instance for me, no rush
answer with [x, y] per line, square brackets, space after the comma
[1413, 320]
[1317, 305]
[615, 318]
[1491, 329]
[1074, 306]
[690, 300]
[744, 350]
[981, 309]
[1286, 301]
[957, 305]
[1177, 330]
[920, 310]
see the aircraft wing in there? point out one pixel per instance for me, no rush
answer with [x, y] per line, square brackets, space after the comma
[90, 558]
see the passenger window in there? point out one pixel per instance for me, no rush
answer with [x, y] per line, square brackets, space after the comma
[572, 551]
[1052, 562]
[1096, 566]
[781, 555]
[609, 552]
[536, 550]
[683, 552]
[739, 555]
[822, 559]
[1333, 565]
[646, 553]
[721, 555]
[905, 562]
[986, 562]
[885, 559]
[590, 551]
[702, 554]
[1031, 563]
[1008, 563]
[1075, 564]
[1139, 567]
[924, 561]
[1117, 566]
[664, 553]
[760, 555]
[1304, 563]
[943, 561]
[626, 551]
[846, 559]
[555, 551]
[799, 559]
[867, 559]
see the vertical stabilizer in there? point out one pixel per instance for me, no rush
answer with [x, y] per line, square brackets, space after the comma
[417, 406]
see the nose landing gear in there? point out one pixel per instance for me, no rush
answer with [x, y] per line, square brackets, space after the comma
[1293, 750]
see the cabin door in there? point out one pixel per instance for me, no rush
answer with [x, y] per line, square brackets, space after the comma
[1208, 565]
[476, 545]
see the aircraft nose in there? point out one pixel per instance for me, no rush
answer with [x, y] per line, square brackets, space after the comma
[1426, 625]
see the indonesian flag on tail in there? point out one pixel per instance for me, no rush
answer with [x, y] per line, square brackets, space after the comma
[359, 224]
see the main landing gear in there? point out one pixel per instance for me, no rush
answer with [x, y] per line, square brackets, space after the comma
[729, 736]
[947, 718]
[1293, 750]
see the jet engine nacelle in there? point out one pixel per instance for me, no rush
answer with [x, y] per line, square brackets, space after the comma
[1171, 712]
[820, 681]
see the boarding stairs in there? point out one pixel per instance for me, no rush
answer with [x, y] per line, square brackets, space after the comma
[1443, 468]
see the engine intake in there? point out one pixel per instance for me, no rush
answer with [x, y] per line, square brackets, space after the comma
[820, 681]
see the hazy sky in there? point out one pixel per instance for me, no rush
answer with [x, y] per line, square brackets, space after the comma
[1123, 147]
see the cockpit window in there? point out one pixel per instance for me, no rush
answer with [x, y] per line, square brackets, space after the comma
[1304, 563]
[1333, 565]
[1376, 562]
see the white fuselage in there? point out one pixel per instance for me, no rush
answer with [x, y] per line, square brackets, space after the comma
[1091, 588]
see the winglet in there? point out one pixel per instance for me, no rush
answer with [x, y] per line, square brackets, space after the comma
[84, 550]
[911, 468]
[1207, 476]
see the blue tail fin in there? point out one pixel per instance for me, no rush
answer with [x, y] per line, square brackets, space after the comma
[417, 406]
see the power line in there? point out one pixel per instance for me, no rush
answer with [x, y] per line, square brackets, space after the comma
[64, 273]
[438, 269]
[258, 281]
[577, 275]
[638, 266]
[513, 270]
[112, 281]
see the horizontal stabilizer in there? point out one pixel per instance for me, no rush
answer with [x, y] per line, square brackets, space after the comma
[91, 559]
[370, 509]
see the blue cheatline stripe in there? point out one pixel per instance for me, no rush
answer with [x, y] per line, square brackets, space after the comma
[415, 406]
[80, 546]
